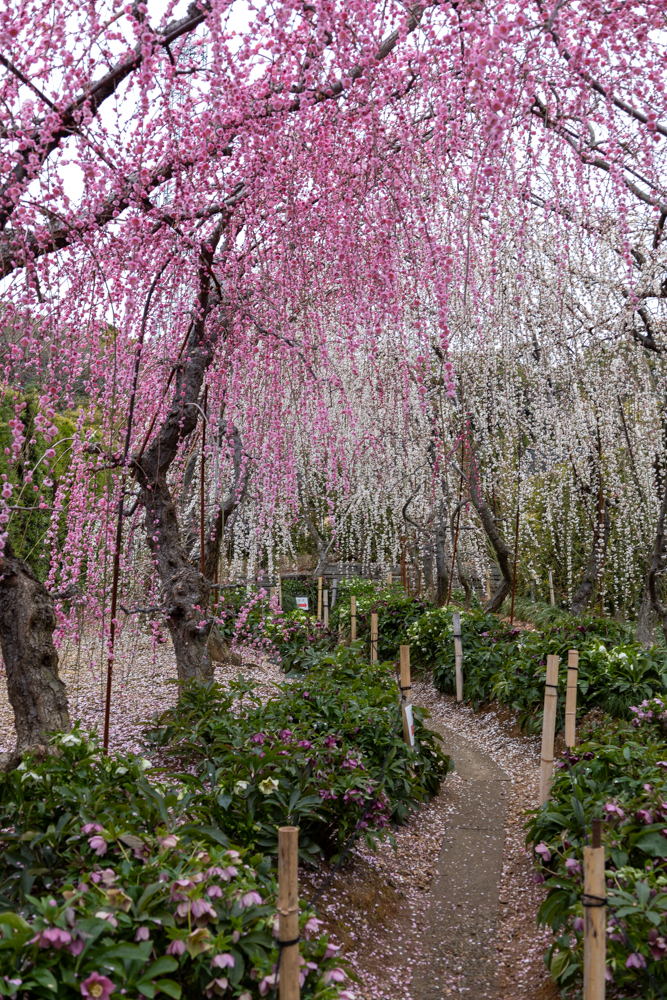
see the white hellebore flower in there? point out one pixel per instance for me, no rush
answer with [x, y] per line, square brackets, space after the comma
[70, 740]
[268, 785]
[240, 786]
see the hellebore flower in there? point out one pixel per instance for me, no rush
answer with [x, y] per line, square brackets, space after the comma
[334, 975]
[644, 816]
[142, 934]
[91, 828]
[97, 987]
[311, 927]
[225, 961]
[268, 786]
[578, 924]
[99, 845]
[54, 937]
[250, 899]
[657, 945]
[635, 961]
[544, 852]
[177, 947]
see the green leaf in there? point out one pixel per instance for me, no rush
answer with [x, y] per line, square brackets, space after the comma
[158, 968]
[559, 963]
[170, 988]
[128, 952]
[147, 989]
[14, 921]
[653, 844]
[45, 978]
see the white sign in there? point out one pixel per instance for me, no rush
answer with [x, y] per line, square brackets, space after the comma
[411, 723]
[302, 603]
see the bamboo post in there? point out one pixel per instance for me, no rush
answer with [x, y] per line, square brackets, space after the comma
[353, 618]
[288, 911]
[571, 698]
[389, 578]
[548, 728]
[272, 593]
[406, 698]
[319, 598]
[488, 584]
[458, 656]
[374, 637]
[325, 603]
[594, 918]
[551, 589]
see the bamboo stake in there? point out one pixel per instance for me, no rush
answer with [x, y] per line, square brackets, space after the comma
[551, 589]
[288, 911]
[389, 578]
[488, 584]
[272, 593]
[374, 637]
[325, 602]
[571, 698]
[548, 728]
[353, 618]
[319, 598]
[594, 918]
[406, 699]
[458, 656]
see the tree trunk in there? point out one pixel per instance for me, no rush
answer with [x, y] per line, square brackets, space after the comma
[36, 693]
[186, 591]
[645, 619]
[441, 567]
[465, 582]
[581, 599]
[503, 553]
[214, 535]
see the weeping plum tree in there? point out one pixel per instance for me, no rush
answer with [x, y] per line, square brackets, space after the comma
[260, 213]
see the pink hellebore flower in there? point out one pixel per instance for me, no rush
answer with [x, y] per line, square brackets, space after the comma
[214, 892]
[331, 950]
[142, 934]
[99, 845]
[612, 809]
[266, 984]
[216, 986]
[54, 937]
[167, 843]
[91, 828]
[225, 961]
[202, 911]
[177, 947]
[109, 917]
[334, 976]
[251, 899]
[76, 946]
[578, 924]
[97, 987]
[544, 853]
[573, 866]
[635, 961]
[644, 816]
[311, 926]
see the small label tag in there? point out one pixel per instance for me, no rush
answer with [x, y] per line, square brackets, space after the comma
[302, 603]
[411, 723]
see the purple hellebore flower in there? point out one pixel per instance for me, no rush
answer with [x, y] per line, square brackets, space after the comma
[311, 927]
[331, 950]
[176, 948]
[91, 828]
[305, 743]
[142, 934]
[54, 937]
[334, 975]
[214, 892]
[76, 946]
[635, 961]
[644, 816]
[250, 899]
[258, 738]
[657, 945]
[97, 987]
[538, 878]
[578, 924]
[202, 910]
[573, 865]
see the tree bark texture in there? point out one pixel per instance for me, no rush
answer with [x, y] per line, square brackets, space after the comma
[503, 553]
[36, 693]
[584, 592]
[186, 591]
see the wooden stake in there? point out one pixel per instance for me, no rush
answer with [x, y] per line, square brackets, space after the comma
[353, 618]
[374, 637]
[288, 910]
[595, 918]
[319, 598]
[548, 728]
[571, 698]
[406, 700]
[458, 656]
[488, 584]
[551, 589]
[389, 578]
[280, 591]
[325, 602]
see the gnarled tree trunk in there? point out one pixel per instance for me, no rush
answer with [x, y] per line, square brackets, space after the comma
[36, 693]
[585, 589]
[441, 567]
[503, 553]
